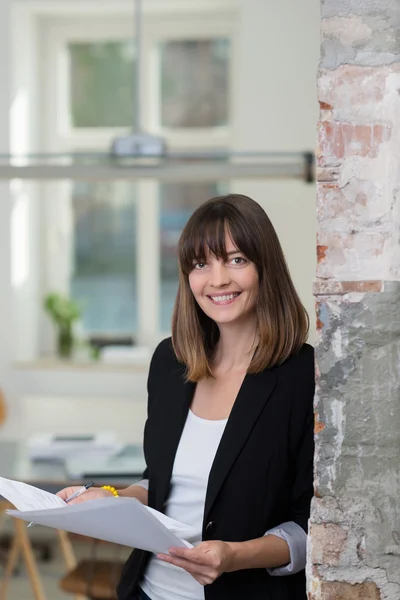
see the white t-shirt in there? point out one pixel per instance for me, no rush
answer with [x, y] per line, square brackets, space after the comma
[194, 457]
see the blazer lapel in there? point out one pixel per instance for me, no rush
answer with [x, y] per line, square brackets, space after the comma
[178, 396]
[251, 399]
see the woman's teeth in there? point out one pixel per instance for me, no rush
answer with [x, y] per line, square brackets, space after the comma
[224, 298]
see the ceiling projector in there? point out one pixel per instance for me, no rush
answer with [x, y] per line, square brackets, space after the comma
[138, 145]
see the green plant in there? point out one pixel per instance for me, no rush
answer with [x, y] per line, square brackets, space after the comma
[64, 312]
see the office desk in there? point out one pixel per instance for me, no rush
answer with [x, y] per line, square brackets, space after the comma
[50, 476]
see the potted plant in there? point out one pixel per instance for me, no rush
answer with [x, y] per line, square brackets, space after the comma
[64, 312]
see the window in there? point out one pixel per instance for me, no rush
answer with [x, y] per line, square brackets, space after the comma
[100, 84]
[103, 279]
[194, 83]
[123, 235]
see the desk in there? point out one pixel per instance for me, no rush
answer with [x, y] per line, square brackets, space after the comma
[50, 476]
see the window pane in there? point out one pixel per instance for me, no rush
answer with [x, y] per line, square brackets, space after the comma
[101, 84]
[104, 279]
[194, 83]
[177, 202]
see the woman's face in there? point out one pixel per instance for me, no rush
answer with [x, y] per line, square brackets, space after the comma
[225, 291]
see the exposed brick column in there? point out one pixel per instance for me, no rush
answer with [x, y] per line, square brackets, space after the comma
[354, 552]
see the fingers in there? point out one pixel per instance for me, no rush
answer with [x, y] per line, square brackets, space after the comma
[85, 495]
[202, 573]
[191, 554]
[77, 500]
[201, 555]
[66, 492]
[183, 563]
[199, 562]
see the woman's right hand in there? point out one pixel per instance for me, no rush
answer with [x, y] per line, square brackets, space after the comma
[90, 494]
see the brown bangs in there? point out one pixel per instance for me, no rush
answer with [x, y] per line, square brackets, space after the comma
[206, 234]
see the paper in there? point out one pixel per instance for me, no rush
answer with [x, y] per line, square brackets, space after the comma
[180, 529]
[122, 521]
[27, 497]
[61, 447]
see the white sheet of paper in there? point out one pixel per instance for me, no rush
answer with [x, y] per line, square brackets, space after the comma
[123, 521]
[28, 497]
[186, 532]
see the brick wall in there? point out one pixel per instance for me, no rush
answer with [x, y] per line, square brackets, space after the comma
[354, 550]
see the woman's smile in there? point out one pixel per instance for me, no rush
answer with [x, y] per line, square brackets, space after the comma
[224, 299]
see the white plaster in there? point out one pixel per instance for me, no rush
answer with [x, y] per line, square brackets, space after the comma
[337, 343]
[372, 249]
[337, 421]
[372, 58]
[361, 95]
[348, 29]
[355, 298]
[393, 82]
[361, 574]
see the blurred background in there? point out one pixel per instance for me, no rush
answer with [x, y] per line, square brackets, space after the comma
[88, 270]
[222, 95]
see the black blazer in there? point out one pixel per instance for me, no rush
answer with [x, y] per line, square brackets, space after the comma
[262, 474]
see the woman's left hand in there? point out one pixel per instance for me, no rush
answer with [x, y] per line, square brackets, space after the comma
[206, 562]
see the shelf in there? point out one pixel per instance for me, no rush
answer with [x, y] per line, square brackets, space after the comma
[187, 167]
[51, 364]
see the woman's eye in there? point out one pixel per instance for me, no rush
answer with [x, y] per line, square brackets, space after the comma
[199, 265]
[238, 260]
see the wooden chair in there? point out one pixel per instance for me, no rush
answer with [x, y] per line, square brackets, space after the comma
[43, 548]
[21, 547]
[94, 577]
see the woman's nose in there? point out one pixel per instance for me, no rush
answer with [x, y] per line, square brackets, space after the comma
[219, 275]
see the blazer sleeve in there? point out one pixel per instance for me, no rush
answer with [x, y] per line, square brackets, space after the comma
[302, 437]
[296, 539]
[157, 373]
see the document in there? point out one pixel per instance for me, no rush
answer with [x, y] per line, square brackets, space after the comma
[124, 521]
[28, 497]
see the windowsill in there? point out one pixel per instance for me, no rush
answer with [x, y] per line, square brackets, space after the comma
[51, 363]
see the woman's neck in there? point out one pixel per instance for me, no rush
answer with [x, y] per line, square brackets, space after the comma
[235, 346]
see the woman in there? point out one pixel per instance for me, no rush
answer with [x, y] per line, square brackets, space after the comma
[229, 437]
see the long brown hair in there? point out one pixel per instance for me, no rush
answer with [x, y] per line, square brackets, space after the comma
[282, 321]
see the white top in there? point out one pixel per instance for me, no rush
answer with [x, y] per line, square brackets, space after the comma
[193, 462]
[194, 457]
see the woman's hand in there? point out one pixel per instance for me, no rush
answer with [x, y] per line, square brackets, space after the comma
[206, 562]
[90, 494]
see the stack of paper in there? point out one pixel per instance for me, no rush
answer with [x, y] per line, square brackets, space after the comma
[125, 354]
[128, 463]
[123, 521]
[62, 447]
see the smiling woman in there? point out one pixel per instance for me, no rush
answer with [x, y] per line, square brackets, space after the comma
[229, 437]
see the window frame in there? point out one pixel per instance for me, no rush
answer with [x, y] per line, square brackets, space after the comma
[194, 22]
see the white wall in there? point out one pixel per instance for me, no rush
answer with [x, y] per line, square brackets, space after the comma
[274, 108]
